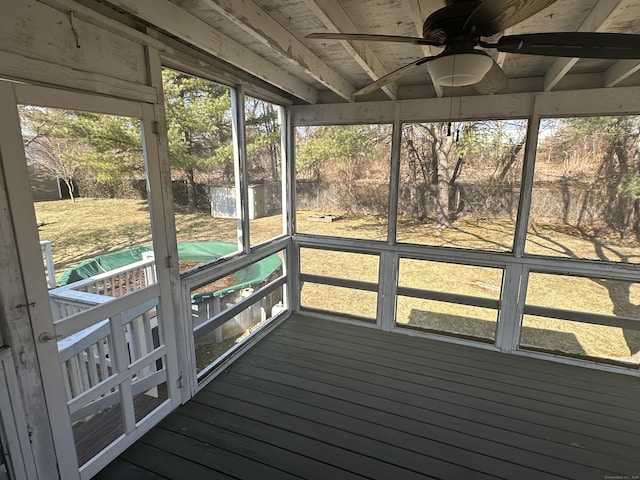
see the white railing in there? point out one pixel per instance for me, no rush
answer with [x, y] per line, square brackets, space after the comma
[120, 281]
[45, 246]
[203, 311]
[115, 369]
[84, 294]
[86, 355]
[87, 358]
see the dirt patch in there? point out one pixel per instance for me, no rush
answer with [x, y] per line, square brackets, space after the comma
[224, 282]
[208, 353]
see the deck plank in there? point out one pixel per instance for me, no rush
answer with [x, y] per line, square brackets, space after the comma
[451, 404]
[502, 378]
[488, 359]
[348, 434]
[319, 399]
[211, 456]
[443, 452]
[420, 378]
[123, 470]
[326, 452]
[503, 441]
[167, 464]
[449, 388]
[268, 453]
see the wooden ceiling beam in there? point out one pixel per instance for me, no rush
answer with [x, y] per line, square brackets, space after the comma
[251, 18]
[336, 20]
[619, 71]
[596, 21]
[173, 19]
[420, 10]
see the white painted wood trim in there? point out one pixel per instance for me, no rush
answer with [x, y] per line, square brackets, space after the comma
[240, 167]
[596, 21]
[594, 268]
[364, 322]
[620, 70]
[388, 261]
[73, 100]
[339, 282]
[508, 330]
[160, 199]
[286, 159]
[21, 68]
[87, 319]
[394, 178]
[614, 101]
[221, 318]
[93, 466]
[15, 435]
[188, 358]
[293, 252]
[583, 317]
[287, 192]
[293, 277]
[255, 21]
[447, 297]
[444, 338]
[605, 367]
[168, 16]
[36, 310]
[336, 20]
[185, 58]
[526, 185]
[227, 265]
[178, 309]
[520, 303]
[91, 16]
[388, 267]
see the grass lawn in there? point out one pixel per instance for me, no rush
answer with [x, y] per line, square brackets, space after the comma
[94, 226]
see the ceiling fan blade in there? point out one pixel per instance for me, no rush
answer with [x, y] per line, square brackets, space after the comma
[572, 45]
[390, 77]
[494, 81]
[363, 37]
[494, 16]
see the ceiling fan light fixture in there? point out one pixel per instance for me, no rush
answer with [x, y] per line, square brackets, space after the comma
[459, 69]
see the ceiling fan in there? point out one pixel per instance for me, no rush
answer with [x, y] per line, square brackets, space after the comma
[460, 27]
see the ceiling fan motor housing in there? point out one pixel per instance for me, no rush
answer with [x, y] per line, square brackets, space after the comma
[447, 23]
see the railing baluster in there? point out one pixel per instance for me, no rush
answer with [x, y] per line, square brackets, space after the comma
[77, 386]
[148, 333]
[102, 359]
[91, 363]
[134, 339]
[66, 373]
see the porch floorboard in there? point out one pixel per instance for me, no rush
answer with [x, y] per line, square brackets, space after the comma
[319, 399]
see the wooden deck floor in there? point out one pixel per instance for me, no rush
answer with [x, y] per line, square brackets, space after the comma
[324, 400]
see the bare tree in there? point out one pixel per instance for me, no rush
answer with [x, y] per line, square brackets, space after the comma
[430, 149]
[57, 157]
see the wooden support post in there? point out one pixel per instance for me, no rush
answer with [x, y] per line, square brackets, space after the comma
[19, 322]
[174, 305]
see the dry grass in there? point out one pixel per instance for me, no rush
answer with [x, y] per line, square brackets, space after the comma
[91, 227]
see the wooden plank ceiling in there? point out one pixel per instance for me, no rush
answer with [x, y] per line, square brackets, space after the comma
[267, 39]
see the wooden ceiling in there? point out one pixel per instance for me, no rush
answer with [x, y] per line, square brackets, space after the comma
[266, 38]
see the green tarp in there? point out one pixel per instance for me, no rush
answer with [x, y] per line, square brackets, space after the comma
[187, 251]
